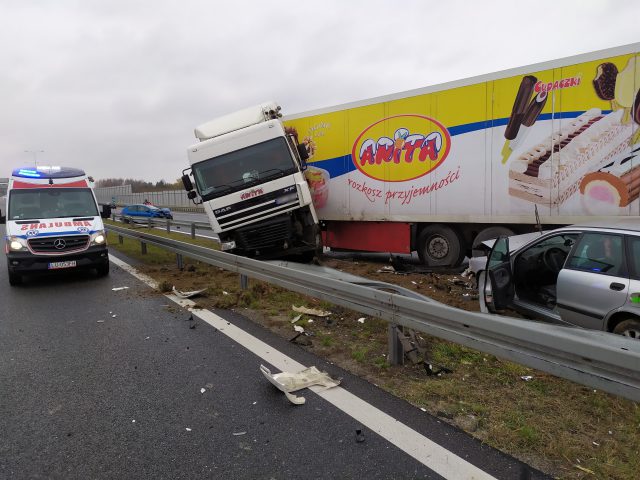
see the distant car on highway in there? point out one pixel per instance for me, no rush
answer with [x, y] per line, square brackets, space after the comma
[582, 275]
[138, 212]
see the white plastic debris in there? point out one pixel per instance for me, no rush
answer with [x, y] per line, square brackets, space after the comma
[100, 321]
[361, 320]
[180, 294]
[527, 378]
[225, 293]
[202, 390]
[114, 316]
[298, 317]
[239, 433]
[117, 289]
[298, 328]
[133, 421]
[288, 382]
[187, 429]
[596, 444]
[147, 338]
[310, 311]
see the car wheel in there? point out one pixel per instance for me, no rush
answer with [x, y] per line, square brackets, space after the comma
[103, 270]
[629, 328]
[14, 279]
[440, 246]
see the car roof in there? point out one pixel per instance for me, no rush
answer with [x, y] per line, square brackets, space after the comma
[627, 224]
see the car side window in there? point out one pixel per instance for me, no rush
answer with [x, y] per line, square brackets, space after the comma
[634, 256]
[599, 253]
[499, 252]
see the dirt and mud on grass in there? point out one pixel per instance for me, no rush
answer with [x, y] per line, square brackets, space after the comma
[559, 427]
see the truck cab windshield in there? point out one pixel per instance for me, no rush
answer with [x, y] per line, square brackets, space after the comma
[243, 168]
[36, 203]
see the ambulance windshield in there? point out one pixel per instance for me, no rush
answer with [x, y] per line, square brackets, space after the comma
[38, 203]
[244, 168]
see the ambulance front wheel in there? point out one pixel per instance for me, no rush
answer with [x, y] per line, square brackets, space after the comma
[14, 279]
[103, 270]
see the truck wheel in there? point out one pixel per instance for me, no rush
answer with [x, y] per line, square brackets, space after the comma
[487, 234]
[629, 328]
[103, 270]
[14, 279]
[440, 246]
[313, 236]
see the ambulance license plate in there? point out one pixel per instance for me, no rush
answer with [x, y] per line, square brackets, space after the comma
[67, 264]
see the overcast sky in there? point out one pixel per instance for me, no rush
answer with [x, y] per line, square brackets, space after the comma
[117, 86]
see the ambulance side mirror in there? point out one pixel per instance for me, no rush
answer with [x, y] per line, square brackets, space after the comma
[186, 181]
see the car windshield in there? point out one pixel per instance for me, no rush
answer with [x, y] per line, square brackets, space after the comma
[243, 168]
[36, 203]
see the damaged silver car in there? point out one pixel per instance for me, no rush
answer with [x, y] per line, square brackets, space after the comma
[582, 275]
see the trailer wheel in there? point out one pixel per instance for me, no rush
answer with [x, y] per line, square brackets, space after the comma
[439, 246]
[487, 234]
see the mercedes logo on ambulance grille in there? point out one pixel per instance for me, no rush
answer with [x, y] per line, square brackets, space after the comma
[59, 243]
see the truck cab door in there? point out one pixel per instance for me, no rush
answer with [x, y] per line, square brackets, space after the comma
[498, 289]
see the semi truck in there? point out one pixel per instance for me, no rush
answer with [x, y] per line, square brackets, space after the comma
[440, 169]
[247, 171]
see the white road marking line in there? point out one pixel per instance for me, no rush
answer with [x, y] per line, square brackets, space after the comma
[427, 452]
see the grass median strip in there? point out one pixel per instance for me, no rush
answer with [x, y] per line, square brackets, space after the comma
[560, 427]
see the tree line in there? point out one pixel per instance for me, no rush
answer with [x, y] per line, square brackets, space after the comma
[138, 186]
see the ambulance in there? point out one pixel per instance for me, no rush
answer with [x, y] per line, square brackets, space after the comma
[53, 223]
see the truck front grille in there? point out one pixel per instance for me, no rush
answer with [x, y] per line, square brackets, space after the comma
[264, 235]
[269, 204]
[56, 245]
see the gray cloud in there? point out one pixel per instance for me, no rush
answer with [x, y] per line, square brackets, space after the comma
[117, 87]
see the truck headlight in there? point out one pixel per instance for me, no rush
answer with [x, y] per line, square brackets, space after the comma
[98, 238]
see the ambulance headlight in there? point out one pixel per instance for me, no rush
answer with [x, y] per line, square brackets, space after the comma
[99, 238]
[15, 244]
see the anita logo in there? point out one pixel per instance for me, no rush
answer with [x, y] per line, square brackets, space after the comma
[419, 145]
[252, 193]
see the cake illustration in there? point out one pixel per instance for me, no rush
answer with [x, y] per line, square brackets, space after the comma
[617, 183]
[552, 171]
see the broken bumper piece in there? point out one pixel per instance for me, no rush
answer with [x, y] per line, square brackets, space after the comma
[291, 382]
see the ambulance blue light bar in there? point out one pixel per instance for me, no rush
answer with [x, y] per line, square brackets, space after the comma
[47, 172]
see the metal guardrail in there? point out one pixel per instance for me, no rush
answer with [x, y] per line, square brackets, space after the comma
[597, 359]
[164, 222]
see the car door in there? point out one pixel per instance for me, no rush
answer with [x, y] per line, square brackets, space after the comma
[498, 291]
[144, 211]
[594, 280]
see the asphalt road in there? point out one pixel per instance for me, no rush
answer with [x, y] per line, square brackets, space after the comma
[96, 383]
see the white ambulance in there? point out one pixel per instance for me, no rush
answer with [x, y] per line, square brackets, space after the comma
[53, 222]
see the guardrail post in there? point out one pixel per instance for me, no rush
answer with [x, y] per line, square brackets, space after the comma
[168, 225]
[149, 222]
[120, 239]
[193, 230]
[396, 352]
[179, 261]
[244, 282]
[143, 248]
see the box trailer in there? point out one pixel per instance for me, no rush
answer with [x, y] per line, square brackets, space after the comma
[440, 169]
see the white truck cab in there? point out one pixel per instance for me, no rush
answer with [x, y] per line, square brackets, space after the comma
[248, 172]
[53, 222]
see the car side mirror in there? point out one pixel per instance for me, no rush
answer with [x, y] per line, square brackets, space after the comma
[186, 181]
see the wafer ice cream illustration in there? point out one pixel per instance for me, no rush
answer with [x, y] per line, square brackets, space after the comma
[551, 172]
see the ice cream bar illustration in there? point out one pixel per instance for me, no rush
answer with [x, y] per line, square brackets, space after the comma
[531, 114]
[520, 106]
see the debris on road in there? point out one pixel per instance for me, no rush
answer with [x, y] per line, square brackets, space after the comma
[527, 378]
[117, 289]
[298, 328]
[202, 390]
[188, 429]
[294, 320]
[239, 433]
[311, 311]
[288, 382]
[361, 320]
[359, 436]
[185, 295]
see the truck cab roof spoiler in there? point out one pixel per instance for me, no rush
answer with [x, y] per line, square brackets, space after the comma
[237, 120]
